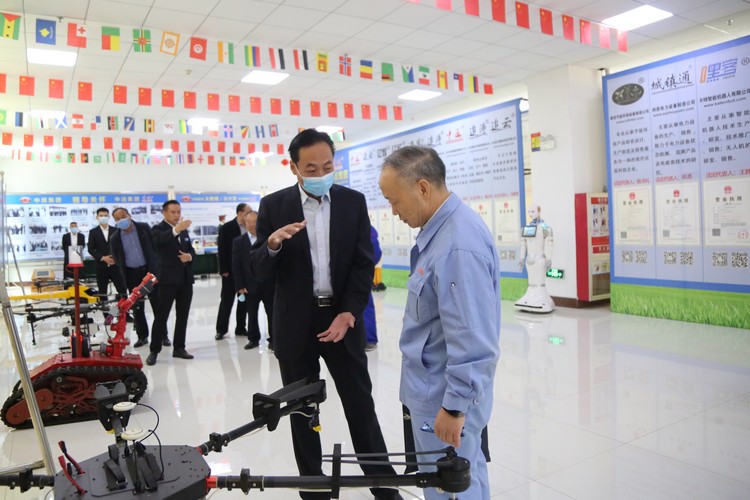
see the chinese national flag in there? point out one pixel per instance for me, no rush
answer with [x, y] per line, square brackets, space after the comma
[398, 113]
[144, 96]
[189, 99]
[3, 80]
[250, 148]
[275, 106]
[622, 41]
[167, 98]
[366, 111]
[545, 20]
[85, 142]
[213, 102]
[266, 148]
[604, 38]
[222, 147]
[206, 146]
[121, 94]
[143, 144]
[49, 141]
[174, 146]
[211, 160]
[348, 110]
[26, 85]
[55, 89]
[108, 143]
[85, 91]
[294, 107]
[28, 140]
[255, 105]
[159, 144]
[191, 146]
[7, 138]
[333, 110]
[234, 103]
[67, 142]
[568, 27]
[444, 4]
[280, 149]
[585, 34]
[471, 7]
[522, 14]
[315, 108]
[125, 143]
[382, 112]
[236, 148]
[498, 10]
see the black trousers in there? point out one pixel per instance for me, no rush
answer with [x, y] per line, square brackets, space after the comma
[349, 372]
[133, 278]
[181, 296]
[252, 303]
[228, 298]
[105, 274]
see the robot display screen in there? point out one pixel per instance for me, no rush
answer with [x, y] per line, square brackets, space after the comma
[529, 231]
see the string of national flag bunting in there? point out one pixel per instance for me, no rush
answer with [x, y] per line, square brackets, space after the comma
[255, 56]
[547, 21]
[139, 158]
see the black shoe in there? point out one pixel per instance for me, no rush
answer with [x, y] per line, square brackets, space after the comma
[240, 333]
[252, 344]
[182, 353]
[270, 345]
[219, 336]
[371, 346]
[140, 342]
[151, 359]
[166, 343]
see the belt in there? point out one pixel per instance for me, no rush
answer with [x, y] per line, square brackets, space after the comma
[323, 300]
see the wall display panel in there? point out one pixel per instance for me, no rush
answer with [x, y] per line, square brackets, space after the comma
[37, 222]
[678, 154]
[204, 209]
[483, 155]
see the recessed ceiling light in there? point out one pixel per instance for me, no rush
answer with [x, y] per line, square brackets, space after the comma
[260, 154]
[160, 152]
[328, 129]
[47, 113]
[632, 19]
[51, 57]
[419, 95]
[265, 77]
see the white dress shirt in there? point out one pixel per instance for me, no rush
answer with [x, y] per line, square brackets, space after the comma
[318, 217]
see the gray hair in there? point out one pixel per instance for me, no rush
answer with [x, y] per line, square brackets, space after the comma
[416, 162]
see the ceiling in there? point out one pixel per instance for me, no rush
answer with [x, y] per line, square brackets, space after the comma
[394, 31]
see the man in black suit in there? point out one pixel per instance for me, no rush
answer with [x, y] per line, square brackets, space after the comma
[175, 274]
[66, 242]
[227, 233]
[314, 241]
[99, 249]
[252, 290]
[133, 251]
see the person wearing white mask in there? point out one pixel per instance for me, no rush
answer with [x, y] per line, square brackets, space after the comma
[67, 240]
[98, 247]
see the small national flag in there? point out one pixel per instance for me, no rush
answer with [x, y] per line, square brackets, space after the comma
[386, 72]
[108, 143]
[382, 112]
[49, 141]
[365, 69]
[366, 111]
[167, 98]
[345, 65]
[28, 140]
[56, 88]
[174, 146]
[67, 142]
[252, 56]
[143, 144]
[473, 84]
[545, 21]
[226, 52]
[85, 91]
[236, 148]
[11, 26]
[189, 100]
[222, 147]
[61, 122]
[471, 7]
[244, 131]
[167, 128]
[112, 123]
[322, 62]
[622, 41]
[3, 81]
[442, 79]
[585, 31]
[255, 105]
[128, 124]
[282, 62]
[498, 10]
[234, 103]
[206, 145]
[273, 130]
[488, 89]
[20, 118]
[522, 14]
[182, 126]
[444, 4]
[272, 57]
[7, 139]
[85, 142]
[424, 75]
[198, 48]
[260, 131]
[120, 94]
[148, 125]
[333, 110]
[300, 60]
[315, 108]
[96, 123]
[213, 102]
[144, 96]
[398, 113]
[348, 110]
[77, 35]
[228, 131]
[170, 42]
[275, 106]
[76, 120]
[110, 38]
[26, 85]
[407, 71]
[568, 27]
[294, 107]
[604, 36]
[46, 31]
[141, 40]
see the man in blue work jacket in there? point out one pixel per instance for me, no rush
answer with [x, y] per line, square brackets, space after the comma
[451, 330]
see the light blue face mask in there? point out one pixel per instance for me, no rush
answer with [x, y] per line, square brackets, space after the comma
[123, 223]
[74, 230]
[317, 186]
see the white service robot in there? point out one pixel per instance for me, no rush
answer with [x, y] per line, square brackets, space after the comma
[536, 250]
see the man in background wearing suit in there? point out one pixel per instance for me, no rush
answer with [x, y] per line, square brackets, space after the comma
[134, 255]
[253, 290]
[175, 254]
[227, 233]
[66, 242]
[314, 242]
[99, 249]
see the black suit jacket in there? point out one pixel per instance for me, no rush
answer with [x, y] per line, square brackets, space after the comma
[172, 271]
[352, 266]
[227, 233]
[147, 245]
[99, 247]
[243, 277]
[66, 243]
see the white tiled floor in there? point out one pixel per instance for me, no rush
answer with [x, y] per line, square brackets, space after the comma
[588, 405]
